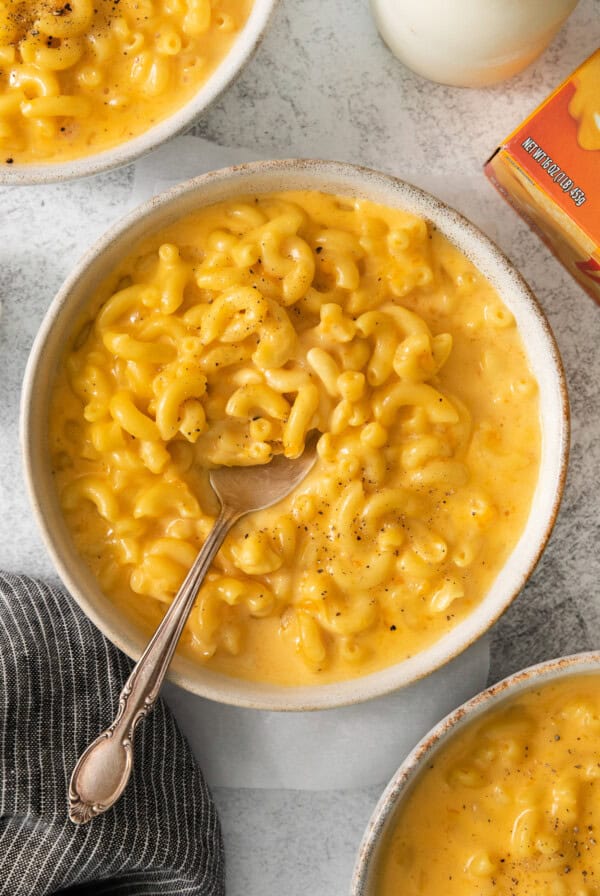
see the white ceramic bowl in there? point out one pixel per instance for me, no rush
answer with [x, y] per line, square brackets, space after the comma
[382, 820]
[245, 44]
[262, 177]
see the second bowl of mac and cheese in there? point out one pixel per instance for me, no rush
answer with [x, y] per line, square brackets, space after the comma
[219, 324]
[85, 87]
[500, 797]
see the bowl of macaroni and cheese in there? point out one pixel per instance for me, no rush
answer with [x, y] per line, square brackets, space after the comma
[85, 87]
[219, 324]
[500, 797]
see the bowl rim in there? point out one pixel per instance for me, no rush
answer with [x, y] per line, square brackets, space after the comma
[181, 119]
[587, 662]
[242, 692]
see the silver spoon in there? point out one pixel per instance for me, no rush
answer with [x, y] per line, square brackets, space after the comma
[103, 770]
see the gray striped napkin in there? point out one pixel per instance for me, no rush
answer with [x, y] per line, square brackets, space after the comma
[59, 686]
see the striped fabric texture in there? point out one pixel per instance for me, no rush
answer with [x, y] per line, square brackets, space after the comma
[59, 686]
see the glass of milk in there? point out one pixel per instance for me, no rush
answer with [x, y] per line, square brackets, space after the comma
[469, 43]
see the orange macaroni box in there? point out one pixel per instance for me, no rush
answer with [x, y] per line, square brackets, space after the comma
[549, 171]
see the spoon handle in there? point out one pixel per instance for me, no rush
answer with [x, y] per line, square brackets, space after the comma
[103, 769]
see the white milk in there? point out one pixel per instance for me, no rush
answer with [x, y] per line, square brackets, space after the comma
[469, 43]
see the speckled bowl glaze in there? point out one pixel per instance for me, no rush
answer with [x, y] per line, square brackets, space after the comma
[364, 879]
[245, 44]
[261, 177]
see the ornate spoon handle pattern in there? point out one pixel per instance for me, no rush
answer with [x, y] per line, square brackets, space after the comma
[103, 770]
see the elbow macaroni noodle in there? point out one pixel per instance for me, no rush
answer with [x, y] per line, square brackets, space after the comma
[226, 338]
[77, 77]
[508, 806]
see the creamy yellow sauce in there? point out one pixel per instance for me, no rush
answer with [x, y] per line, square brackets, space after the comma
[585, 105]
[510, 806]
[226, 338]
[81, 76]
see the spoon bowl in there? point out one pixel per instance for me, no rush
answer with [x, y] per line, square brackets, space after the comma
[261, 486]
